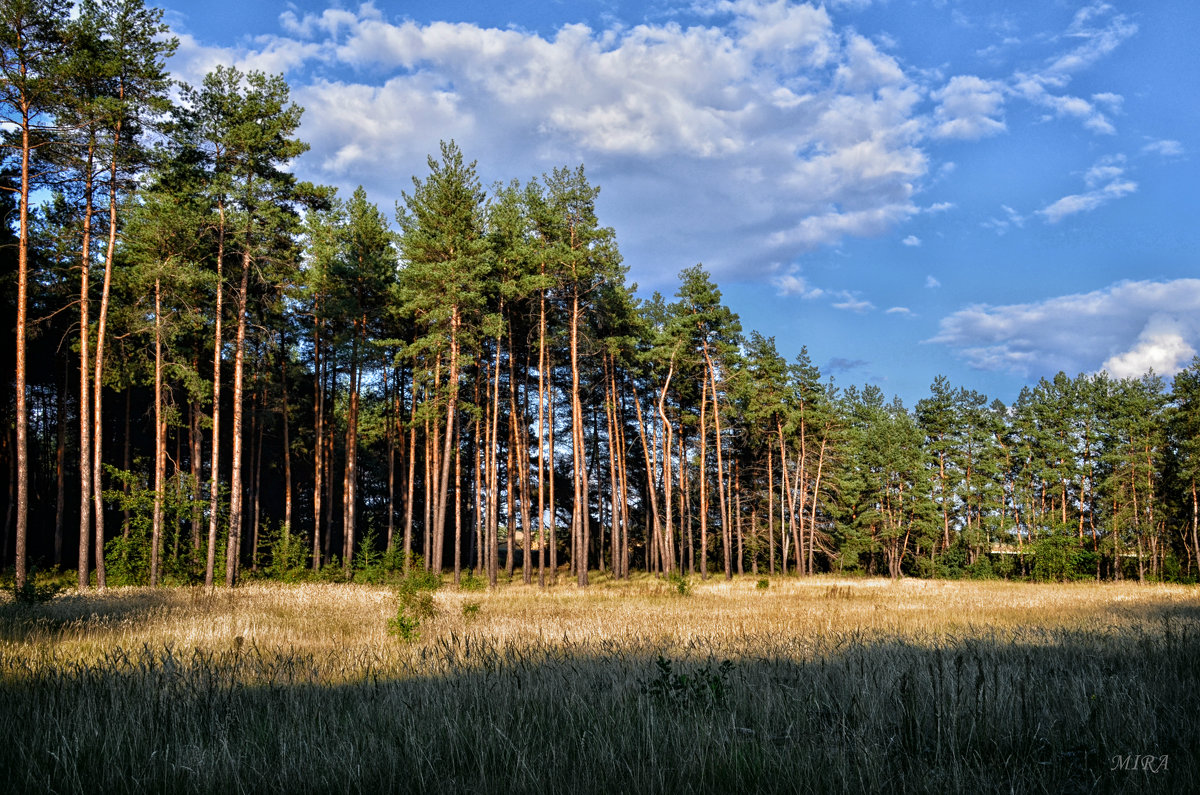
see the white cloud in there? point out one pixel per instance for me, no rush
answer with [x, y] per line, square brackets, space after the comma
[911, 240]
[932, 283]
[791, 283]
[853, 302]
[1105, 182]
[1125, 327]
[766, 131]
[1165, 148]
[1098, 32]
[969, 108]
[1160, 347]
[1011, 219]
[899, 310]
[1095, 33]
[756, 138]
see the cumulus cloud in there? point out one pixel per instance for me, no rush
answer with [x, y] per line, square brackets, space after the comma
[767, 131]
[1105, 181]
[1125, 328]
[932, 283]
[791, 283]
[969, 108]
[1162, 347]
[911, 240]
[763, 131]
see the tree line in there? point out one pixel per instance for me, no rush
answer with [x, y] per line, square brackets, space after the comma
[220, 371]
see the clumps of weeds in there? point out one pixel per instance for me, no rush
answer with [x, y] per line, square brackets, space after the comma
[763, 584]
[703, 688]
[838, 592]
[472, 582]
[33, 592]
[470, 610]
[680, 583]
[414, 604]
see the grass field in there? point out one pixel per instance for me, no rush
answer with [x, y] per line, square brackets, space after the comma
[816, 685]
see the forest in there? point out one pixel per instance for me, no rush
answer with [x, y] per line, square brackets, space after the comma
[221, 373]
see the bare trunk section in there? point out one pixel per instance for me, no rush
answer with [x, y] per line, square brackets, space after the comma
[160, 441]
[214, 489]
[233, 547]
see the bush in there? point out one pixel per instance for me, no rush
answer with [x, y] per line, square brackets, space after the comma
[288, 555]
[414, 604]
[127, 558]
[1056, 558]
[703, 688]
[471, 582]
[981, 569]
[680, 582]
[33, 592]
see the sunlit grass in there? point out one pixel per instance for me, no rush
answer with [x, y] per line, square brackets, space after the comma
[835, 685]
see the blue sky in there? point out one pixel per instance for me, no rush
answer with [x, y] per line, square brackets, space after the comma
[992, 192]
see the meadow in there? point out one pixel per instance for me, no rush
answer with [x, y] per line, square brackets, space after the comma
[806, 685]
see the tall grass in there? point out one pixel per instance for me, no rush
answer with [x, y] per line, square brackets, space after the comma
[833, 686]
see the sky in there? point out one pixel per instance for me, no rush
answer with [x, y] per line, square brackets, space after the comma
[993, 192]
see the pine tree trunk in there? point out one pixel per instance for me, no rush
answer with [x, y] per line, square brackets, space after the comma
[85, 372]
[350, 477]
[60, 465]
[160, 441]
[233, 547]
[318, 435]
[287, 443]
[541, 436]
[98, 383]
[214, 491]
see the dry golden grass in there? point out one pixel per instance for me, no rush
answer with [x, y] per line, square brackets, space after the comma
[731, 618]
[835, 685]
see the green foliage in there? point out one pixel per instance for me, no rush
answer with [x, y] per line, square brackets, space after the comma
[370, 565]
[1057, 557]
[680, 582]
[332, 571]
[763, 584]
[33, 592]
[127, 558]
[981, 569]
[414, 604]
[288, 555]
[701, 689]
[1005, 566]
[471, 582]
[404, 626]
[470, 610]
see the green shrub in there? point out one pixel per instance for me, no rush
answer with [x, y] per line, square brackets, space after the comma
[703, 688]
[763, 584]
[288, 555]
[680, 582]
[471, 582]
[1056, 558]
[33, 592]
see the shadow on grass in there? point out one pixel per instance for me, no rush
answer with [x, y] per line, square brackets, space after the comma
[1067, 711]
[25, 622]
